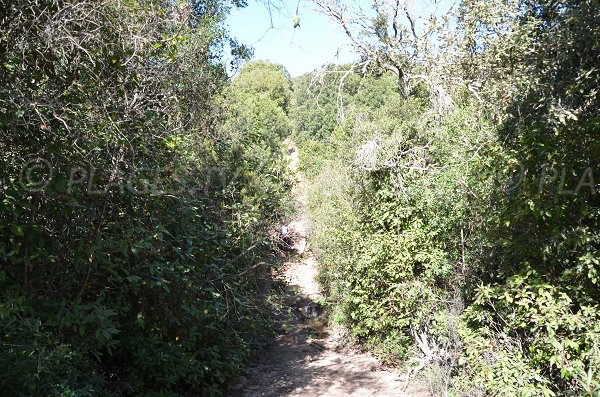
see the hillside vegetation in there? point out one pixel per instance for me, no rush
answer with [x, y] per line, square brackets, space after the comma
[452, 194]
[464, 237]
[137, 189]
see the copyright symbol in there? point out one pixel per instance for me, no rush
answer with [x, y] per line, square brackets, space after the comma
[511, 177]
[36, 174]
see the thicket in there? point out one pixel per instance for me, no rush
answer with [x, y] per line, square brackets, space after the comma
[137, 188]
[464, 237]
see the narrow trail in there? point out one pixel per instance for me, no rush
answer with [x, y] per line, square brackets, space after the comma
[308, 359]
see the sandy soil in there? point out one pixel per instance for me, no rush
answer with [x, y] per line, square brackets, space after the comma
[308, 358]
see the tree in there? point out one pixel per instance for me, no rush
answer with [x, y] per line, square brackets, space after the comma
[120, 261]
[397, 37]
[260, 77]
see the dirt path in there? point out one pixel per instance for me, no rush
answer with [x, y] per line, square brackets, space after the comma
[307, 359]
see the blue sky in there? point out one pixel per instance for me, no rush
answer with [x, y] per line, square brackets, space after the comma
[300, 50]
[317, 40]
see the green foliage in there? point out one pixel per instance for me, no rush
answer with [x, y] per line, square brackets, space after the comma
[134, 270]
[478, 223]
[390, 234]
[544, 295]
[314, 110]
[138, 185]
[261, 77]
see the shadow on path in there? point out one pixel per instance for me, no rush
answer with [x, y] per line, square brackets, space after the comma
[306, 359]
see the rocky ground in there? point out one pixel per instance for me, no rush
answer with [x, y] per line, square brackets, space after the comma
[309, 357]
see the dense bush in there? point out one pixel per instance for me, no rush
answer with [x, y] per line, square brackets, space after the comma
[134, 268]
[452, 194]
[473, 225]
